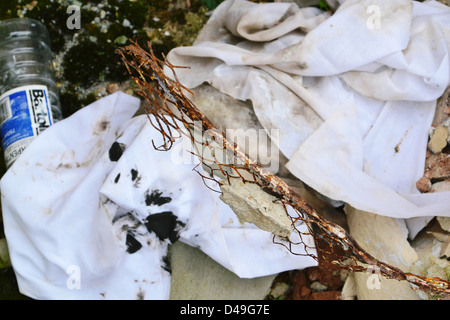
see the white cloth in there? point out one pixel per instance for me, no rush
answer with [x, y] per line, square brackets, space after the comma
[90, 208]
[353, 94]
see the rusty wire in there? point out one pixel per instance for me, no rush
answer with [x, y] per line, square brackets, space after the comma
[173, 114]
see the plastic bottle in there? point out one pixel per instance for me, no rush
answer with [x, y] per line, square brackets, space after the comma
[29, 98]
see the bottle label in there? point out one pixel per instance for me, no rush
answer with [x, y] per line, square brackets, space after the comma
[25, 112]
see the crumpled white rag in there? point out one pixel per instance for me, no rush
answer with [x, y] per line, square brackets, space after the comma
[352, 94]
[90, 208]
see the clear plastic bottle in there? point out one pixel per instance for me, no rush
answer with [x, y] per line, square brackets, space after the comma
[29, 98]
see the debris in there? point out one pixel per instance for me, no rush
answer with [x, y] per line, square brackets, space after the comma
[316, 283]
[432, 247]
[442, 108]
[252, 204]
[279, 290]
[316, 286]
[304, 88]
[442, 234]
[195, 276]
[300, 288]
[306, 291]
[436, 176]
[349, 291]
[438, 140]
[112, 87]
[441, 186]
[444, 222]
[438, 166]
[237, 119]
[153, 81]
[121, 40]
[423, 184]
[437, 160]
[386, 239]
[326, 295]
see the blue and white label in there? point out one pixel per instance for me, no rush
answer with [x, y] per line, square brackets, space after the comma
[25, 112]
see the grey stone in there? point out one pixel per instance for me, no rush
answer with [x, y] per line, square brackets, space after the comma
[251, 204]
[438, 140]
[386, 239]
[195, 276]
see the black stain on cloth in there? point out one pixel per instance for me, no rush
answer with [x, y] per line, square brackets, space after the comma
[155, 198]
[130, 224]
[134, 174]
[166, 263]
[135, 177]
[116, 151]
[165, 225]
[132, 244]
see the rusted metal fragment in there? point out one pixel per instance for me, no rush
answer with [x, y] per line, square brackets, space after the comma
[164, 98]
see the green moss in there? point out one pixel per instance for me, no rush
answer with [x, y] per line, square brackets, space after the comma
[72, 101]
[8, 286]
[54, 17]
[91, 62]
[83, 64]
[447, 272]
[135, 12]
[212, 4]
[90, 58]
[9, 9]
[189, 31]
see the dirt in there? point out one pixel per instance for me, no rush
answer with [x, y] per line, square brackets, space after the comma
[437, 161]
[314, 283]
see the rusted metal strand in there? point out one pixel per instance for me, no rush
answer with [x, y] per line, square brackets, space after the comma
[147, 66]
[276, 184]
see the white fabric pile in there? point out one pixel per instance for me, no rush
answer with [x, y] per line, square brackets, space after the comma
[353, 94]
[90, 208]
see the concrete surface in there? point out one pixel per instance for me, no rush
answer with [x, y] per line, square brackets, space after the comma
[195, 276]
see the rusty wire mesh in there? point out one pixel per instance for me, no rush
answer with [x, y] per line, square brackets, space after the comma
[173, 113]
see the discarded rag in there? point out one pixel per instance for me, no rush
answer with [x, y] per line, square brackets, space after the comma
[352, 94]
[90, 209]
